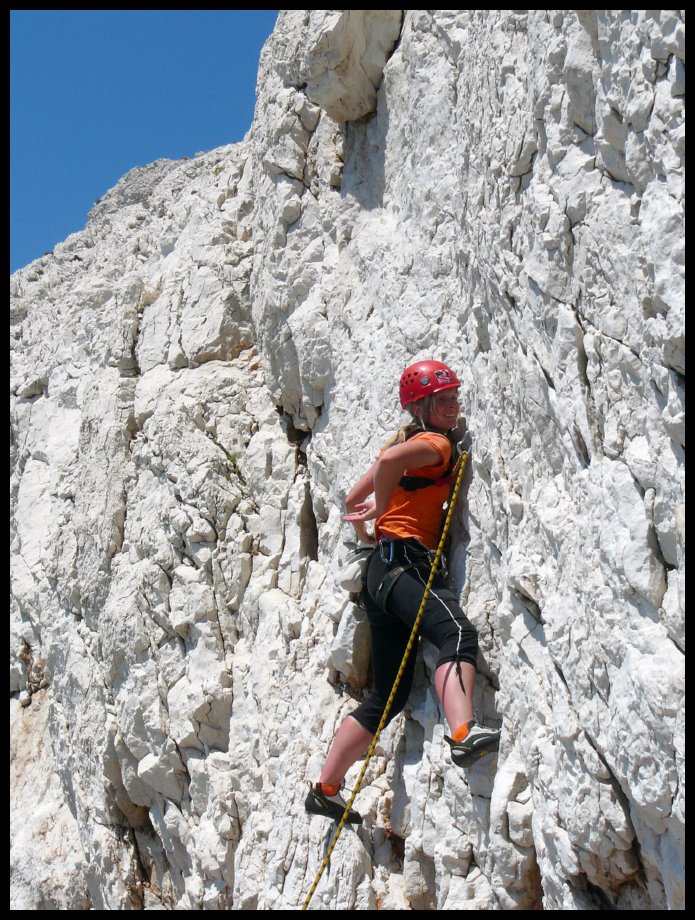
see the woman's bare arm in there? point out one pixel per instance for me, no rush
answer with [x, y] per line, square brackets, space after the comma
[382, 478]
[358, 508]
[390, 467]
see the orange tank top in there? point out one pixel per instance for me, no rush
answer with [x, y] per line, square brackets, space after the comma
[418, 514]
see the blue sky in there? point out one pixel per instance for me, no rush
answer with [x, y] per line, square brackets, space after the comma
[95, 93]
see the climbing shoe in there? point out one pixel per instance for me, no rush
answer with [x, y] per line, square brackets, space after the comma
[330, 806]
[478, 742]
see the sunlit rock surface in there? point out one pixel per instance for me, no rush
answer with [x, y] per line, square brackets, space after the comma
[201, 374]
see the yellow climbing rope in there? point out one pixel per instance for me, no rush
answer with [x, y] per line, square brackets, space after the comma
[458, 472]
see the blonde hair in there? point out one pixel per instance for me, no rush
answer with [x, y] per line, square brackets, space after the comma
[415, 426]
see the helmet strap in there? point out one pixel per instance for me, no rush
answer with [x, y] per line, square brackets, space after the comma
[419, 418]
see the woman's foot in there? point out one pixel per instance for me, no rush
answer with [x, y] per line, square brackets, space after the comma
[477, 742]
[320, 802]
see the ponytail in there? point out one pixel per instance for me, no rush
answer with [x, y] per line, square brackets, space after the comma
[417, 425]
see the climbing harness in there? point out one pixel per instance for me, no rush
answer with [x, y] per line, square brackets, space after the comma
[394, 554]
[458, 474]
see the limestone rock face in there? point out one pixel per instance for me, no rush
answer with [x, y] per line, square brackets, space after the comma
[201, 374]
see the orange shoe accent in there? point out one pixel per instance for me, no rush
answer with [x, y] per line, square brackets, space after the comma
[327, 789]
[461, 732]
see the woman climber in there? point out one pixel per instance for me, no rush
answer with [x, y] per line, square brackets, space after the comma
[410, 482]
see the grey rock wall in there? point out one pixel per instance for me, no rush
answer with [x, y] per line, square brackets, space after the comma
[200, 375]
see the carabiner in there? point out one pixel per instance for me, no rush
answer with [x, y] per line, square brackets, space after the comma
[389, 553]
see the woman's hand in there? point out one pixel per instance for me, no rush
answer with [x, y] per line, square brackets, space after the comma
[360, 508]
[364, 511]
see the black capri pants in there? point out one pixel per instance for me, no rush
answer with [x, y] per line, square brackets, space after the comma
[391, 620]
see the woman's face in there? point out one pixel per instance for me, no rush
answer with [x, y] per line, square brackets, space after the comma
[444, 411]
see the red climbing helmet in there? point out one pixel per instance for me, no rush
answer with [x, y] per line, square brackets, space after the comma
[424, 379]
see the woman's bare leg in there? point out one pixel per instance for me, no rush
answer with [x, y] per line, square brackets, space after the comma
[351, 742]
[456, 701]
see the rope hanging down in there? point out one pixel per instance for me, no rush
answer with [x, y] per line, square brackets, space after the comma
[458, 472]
